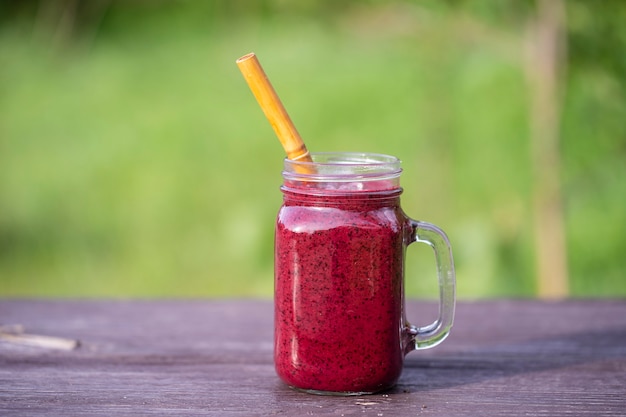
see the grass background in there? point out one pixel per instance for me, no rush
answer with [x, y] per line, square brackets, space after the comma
[135, 162]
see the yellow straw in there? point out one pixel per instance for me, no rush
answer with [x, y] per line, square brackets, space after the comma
[273, 108]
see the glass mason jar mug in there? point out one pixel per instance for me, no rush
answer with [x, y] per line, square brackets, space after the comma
[340, 241]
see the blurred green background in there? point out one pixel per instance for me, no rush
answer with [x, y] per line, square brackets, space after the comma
[135, 162]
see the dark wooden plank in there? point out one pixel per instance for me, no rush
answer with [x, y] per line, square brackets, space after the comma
[215, 358]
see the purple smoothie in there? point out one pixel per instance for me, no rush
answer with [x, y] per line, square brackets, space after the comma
[338, 289]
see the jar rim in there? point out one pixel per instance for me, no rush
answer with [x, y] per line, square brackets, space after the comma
[343, 167]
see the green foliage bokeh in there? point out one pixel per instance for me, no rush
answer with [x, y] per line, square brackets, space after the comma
[134, 160]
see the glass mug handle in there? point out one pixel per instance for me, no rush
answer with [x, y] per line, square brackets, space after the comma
[434, 333]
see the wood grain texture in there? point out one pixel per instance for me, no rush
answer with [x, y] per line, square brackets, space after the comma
[209, 357]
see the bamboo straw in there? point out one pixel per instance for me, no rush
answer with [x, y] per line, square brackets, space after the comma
[273, 108]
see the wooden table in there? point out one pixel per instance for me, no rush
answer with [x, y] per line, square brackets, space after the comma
[205, 357]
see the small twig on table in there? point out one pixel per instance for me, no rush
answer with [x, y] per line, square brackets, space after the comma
[15, 334]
